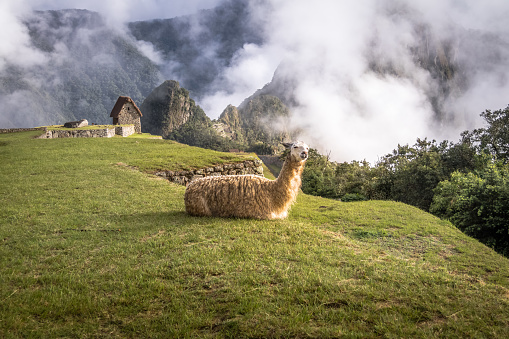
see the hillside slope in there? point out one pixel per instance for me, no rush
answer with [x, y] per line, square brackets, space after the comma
[91, 247]
[84, 67]
[198, 48]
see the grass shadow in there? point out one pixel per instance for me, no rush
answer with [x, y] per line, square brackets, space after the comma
[152, 219]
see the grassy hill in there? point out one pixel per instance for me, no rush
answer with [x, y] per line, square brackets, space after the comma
[92, 248]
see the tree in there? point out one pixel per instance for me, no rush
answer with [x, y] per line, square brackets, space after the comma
[461, 156]
[318, 177]
[329, 179]
[494, 139]
[478, 204]
[409, 174]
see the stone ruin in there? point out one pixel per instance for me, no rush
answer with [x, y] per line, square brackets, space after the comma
[184, 177]
[108, 131]
[76, 124]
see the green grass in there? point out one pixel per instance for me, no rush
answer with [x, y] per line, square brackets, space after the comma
[92, 249]
[148, 155]
[275, 169]
[144, 136]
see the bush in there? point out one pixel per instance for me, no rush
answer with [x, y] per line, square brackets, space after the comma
[353, 197]
[318, 177]
[478, 204]
[494, 139]
[409, 174]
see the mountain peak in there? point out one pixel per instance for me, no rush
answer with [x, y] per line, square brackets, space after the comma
[166, 108]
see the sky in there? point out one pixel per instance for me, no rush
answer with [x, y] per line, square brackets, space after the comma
[324, 49]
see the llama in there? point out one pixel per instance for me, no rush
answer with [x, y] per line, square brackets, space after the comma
[249, 196]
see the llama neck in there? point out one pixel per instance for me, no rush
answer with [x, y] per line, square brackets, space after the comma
[288, 181]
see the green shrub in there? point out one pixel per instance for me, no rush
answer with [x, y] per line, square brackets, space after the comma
[409, 174]
[494, 138]
[353, 197]
[478, 204]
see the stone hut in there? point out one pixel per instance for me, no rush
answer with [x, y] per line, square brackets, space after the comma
[126, 112]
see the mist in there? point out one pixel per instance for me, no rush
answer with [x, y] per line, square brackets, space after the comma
[16, 47]
[362, 77]
[45, 53]
[326, 51]
[75, 51]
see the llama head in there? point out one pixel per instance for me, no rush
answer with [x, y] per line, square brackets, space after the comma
[298, 150]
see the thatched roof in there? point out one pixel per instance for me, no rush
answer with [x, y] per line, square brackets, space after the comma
[120, 103]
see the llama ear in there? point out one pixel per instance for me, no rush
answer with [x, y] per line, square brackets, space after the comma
[287, 144]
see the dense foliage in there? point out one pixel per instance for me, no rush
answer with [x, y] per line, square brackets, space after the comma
[335, 180]
[408, 174]
[493, 139]
[478, 204]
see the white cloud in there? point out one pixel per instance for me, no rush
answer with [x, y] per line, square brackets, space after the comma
[326, 47]
[252, 67]
[149, 51]
[15, 47]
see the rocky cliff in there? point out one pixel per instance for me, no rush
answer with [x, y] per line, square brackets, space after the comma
[166, 109]
[229, 124]
[257, 125]
[170, 112]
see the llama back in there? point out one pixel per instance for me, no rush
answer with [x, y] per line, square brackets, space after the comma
[243, 196]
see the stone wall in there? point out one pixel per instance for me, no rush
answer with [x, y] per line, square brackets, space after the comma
[185, 177]
[124, 131]
[12, 130]
[77, 133]
[108, 132]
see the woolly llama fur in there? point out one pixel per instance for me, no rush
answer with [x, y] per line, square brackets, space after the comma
[249, 196]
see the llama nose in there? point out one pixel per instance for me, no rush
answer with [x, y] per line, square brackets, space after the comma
[304, 155]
